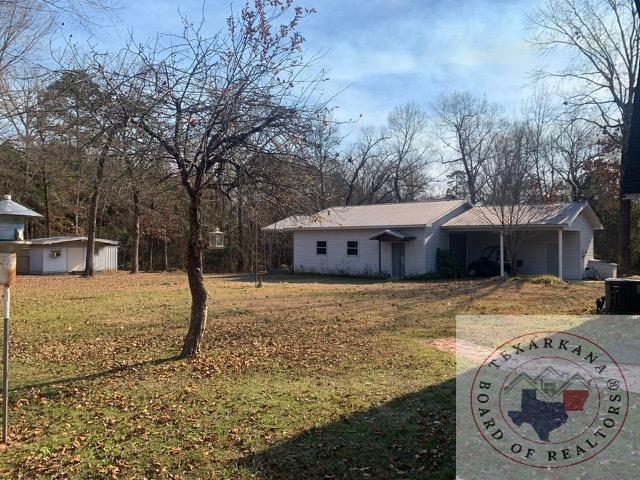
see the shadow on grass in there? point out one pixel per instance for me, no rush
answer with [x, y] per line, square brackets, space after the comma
[98, 375]
[409, 437]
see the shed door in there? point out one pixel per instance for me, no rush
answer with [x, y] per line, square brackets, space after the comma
[23, 264]
[552, 258]
[397, 259]
[75, 259]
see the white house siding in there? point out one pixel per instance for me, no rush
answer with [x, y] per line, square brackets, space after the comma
[436, 237]
[336, 261]
[533, 254]
[585, 230]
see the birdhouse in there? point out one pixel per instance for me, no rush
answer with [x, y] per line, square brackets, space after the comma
[216, 239]
[12, 224]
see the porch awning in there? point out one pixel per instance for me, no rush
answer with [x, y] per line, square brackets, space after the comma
[392, 236]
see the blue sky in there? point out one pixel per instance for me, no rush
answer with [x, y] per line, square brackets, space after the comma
[386, 52]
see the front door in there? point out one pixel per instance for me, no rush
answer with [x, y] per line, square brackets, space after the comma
[552, 258]
[397, 259]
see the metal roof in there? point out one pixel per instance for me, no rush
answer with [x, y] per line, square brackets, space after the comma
[10, 208]
[416, 214]
[551, 215]
[69, 239]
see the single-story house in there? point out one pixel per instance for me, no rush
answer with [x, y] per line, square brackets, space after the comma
[66, 255]
[401, 240]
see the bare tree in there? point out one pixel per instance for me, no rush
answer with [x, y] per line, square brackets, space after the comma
[366, 151]
[408, 151]
[603, 38]
[234, 102]
[468, 127]
[575, 146]
[322, 150]
[24, 24]
[540, 118]
[510, 194]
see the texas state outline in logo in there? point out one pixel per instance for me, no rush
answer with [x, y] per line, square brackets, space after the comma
[549, 399]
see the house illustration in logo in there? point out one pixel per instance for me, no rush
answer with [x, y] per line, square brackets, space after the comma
[550, 383]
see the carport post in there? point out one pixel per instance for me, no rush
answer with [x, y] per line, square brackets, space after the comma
[560, 254]
[501, 254]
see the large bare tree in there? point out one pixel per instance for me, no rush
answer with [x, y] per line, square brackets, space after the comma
[510, 188]
[468, 126]
[603, 41]
[225, 109]
[408, 150]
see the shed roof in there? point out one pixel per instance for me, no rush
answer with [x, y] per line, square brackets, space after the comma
[69, 239]
[417, 214]
[10, 208]
[551, 215]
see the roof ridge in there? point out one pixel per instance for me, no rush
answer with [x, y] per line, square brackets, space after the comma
[390, 203]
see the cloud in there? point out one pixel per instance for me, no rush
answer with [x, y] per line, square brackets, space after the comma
[386, 52]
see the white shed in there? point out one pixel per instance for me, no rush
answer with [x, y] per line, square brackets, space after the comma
[67, 255]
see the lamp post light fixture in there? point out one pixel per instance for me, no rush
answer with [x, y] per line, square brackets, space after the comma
[12, 238]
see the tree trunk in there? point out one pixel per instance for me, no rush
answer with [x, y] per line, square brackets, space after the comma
[93, 209]
[199, 294]
[151, 245]
[135, 243]
[166, 252]
[89, 269]
[76, 212]
[45, 187]
[241, 257]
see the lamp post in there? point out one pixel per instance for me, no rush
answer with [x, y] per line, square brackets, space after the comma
[12, 238]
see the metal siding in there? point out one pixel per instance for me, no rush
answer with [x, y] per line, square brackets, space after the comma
[366, 263]
[54, 265]
[106, 258]
[585, 229]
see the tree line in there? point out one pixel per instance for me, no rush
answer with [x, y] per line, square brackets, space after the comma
[159, 142]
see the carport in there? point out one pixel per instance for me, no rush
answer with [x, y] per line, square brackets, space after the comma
[555, 239]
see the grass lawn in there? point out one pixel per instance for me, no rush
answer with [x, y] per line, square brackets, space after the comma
[302, 378]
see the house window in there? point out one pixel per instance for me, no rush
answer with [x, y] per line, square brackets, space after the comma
[352, 248]
[57, 253]
[321, 247]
